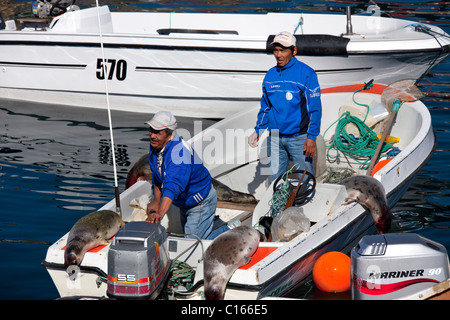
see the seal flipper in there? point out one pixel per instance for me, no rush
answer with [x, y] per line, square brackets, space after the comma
[348, 201]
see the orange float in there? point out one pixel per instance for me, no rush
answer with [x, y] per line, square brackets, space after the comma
[331, 272]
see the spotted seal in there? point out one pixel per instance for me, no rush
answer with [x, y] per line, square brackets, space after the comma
[370, 193]
[90, 231]
[139, 171]
[229, 251]
[225, 193]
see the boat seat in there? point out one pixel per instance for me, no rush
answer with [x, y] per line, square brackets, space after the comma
[228, 211]
[35, 23]
[236, 206]
[327, 198]
[195, 31]
[317, 44]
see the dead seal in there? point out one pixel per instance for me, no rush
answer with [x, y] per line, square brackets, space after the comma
[141, 171]
[90, 231]
[369, 192]
[229, 251]
[225, 193]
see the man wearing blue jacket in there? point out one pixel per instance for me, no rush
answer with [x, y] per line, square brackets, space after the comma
[180, 178]
[290, 109]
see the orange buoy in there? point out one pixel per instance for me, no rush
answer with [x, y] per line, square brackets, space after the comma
[331, 272]
[380, 164]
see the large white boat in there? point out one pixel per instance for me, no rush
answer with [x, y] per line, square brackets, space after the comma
[276, 268]
[200, 64]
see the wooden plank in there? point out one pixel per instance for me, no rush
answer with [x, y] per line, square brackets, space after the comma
[35, 20]
[236, 206]
[440, 291]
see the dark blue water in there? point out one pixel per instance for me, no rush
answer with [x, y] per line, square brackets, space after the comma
[56, 166]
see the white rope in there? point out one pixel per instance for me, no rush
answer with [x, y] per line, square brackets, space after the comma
[116, 185]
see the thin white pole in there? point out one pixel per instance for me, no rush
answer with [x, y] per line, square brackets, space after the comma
[116, 184]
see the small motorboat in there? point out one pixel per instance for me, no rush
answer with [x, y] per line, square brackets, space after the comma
[277, 267]
[206, 65]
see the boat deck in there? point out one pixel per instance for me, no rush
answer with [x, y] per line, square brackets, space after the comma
[242, 212]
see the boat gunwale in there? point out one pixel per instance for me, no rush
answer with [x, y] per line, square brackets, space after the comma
[229, 49]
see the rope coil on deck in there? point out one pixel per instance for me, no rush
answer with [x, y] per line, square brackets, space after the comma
[281, 196]
[361, 148]
[181, 270]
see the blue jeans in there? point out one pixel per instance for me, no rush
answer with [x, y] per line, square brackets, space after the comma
[199, 220]
[283, 149]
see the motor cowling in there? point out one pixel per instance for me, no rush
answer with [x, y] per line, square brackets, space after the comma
[395, 266]
[138, 261]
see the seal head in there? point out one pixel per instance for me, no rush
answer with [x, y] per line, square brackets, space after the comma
[139, 171]
[225, 193]
[90, 231]
[369, 192]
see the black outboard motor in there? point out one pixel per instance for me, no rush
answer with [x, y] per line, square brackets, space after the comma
[50, 8]
[138, 261]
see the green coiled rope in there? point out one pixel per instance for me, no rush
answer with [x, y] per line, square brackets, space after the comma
[281, 196]
[361, 149]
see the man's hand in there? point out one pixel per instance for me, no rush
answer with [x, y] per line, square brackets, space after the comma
[156, 210]
[152, 206]
[253, 140]
[154, 217]
[310, 148]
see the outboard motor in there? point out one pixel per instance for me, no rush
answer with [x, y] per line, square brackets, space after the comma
[50, 8]
[395, 266]
[138, 261]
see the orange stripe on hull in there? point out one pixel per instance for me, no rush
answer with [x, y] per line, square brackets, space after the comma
[375, 89]
[259, 254]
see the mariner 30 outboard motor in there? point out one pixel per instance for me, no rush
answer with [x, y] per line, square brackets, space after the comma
[50, 8]
[138, 261]
[395, 266]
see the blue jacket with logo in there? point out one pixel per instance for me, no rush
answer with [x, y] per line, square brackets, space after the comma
[184, 179]
[291, 101]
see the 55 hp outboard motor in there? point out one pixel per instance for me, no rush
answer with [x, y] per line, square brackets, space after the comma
[50, 8]
[395, 266]
[138, 261]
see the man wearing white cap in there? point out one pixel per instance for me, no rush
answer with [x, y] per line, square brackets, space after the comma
[180, 178]
[290, 109]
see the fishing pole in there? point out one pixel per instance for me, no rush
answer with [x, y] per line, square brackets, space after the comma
[116, 185]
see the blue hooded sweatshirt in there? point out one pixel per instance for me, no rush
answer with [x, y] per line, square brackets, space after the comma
[184, 179]
[291, 101]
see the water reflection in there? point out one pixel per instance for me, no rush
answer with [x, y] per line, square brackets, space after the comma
[74, 146]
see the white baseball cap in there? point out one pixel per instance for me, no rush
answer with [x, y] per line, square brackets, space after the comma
[162, 120]
[285, 38]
